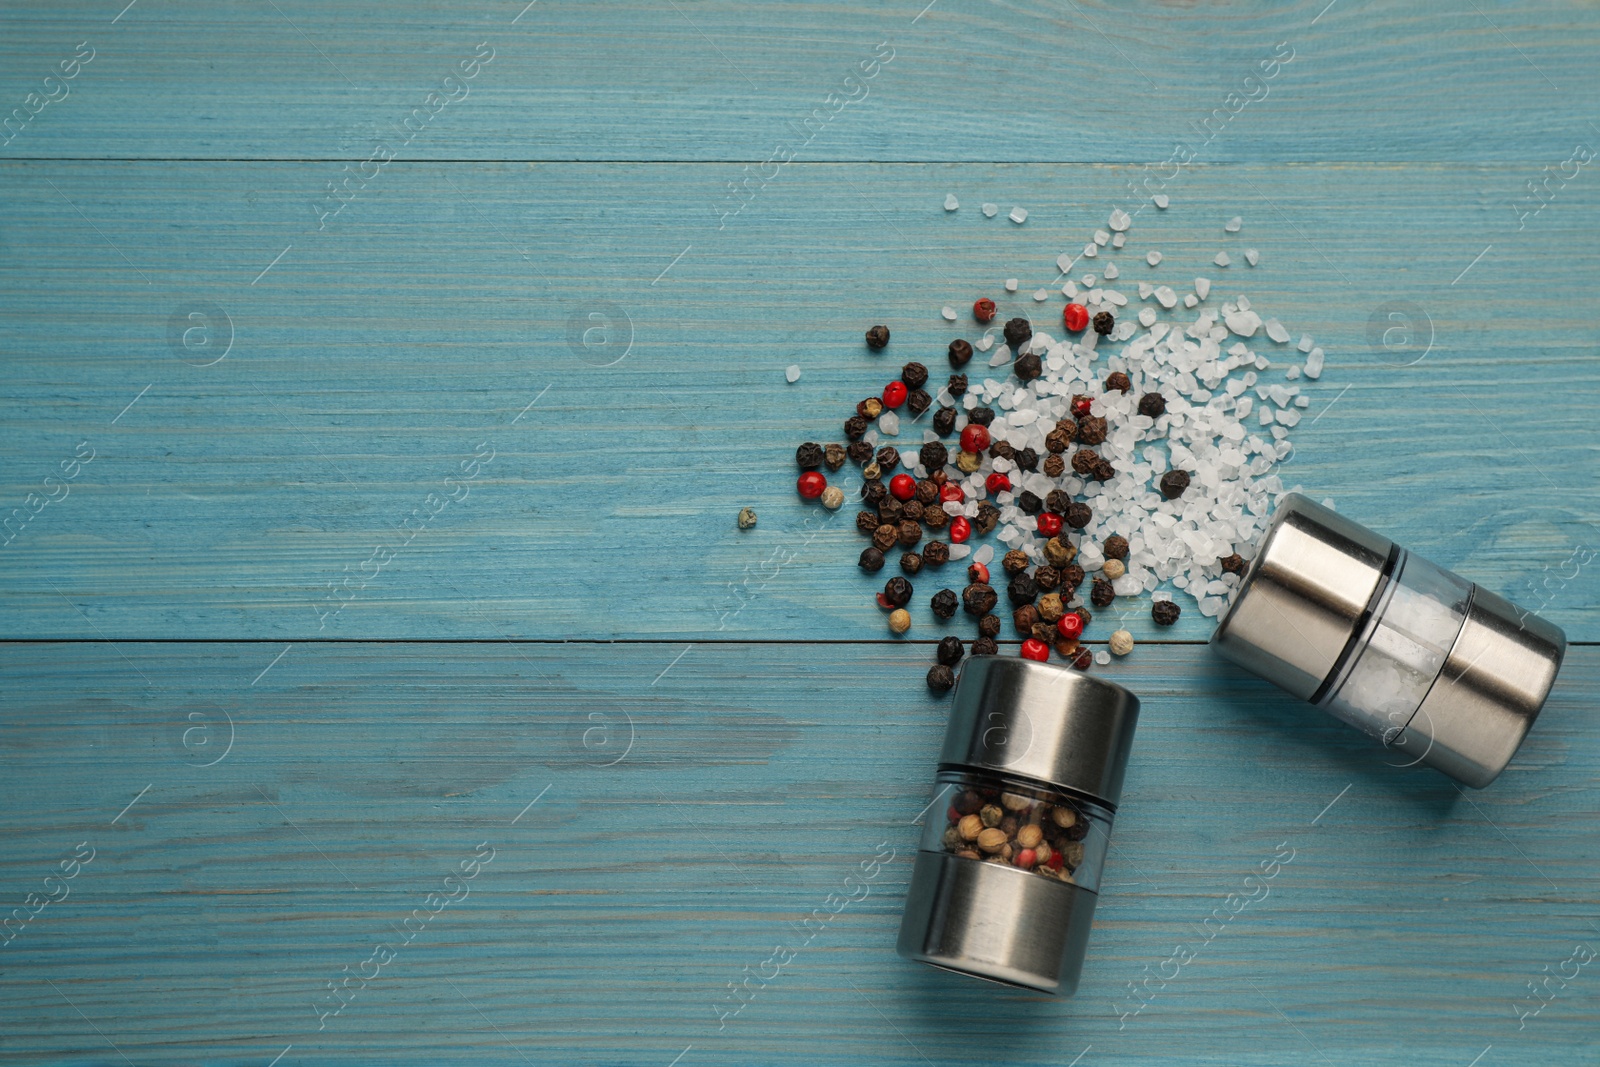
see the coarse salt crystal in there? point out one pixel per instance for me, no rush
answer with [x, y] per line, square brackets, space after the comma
[1167, 296]
[1233, 224]
[1292, 373]
[1147, 317]
[1276, 331]
[1314, 363]
[792, 372]
[950, 202]
[1251, 256]
[1160, 200]
[889, 423]
[1102, 657]
[1202, 287]
[1222, 259]
[949, 313]
[1019, 215]
[1190, 300]
[1001, 356]
[1120, 219]
[1112, 272]
[984, 344]
[1118, 240]
[960, 551]
[1305, 342]
[1091, 250]
[1041, 295]
[1011, 285]
[984, 554]
[1101, 237]
[1152, 257]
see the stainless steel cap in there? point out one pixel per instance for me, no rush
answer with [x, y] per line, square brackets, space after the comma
[1488, 693]
[996, 922]
[1304, 597]
[1055, 725]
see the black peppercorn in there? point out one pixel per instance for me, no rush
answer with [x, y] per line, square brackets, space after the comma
[834, 456]
[910, 509]
[1173, 483]
[885, 536]
[910, 562]
[1233, 564]
[1119, 381]
[1057, 441]
[1103, 471]
[1025, 618]
[1028, 367]
[1001, 450]
[808, 456]
[1026, 459]
[936, 553]
[980, 416]
[927, 488]
[1092, 429]
[1018, 332]
[1014, 562]
[1022, 589]
[945, 603]
[918, 401]
[1103, 323]
[877, 337]
[989, 626]
[944, 421]
[873, 491]
[1047, 577]
[871, 560]
[890, 510]
[888, 458]
[1084, 460]
[1058, 501]
[897, 591]
[951, 649]
[979, 598]
[984, 646]
[910, 532]
[1029, 503]
[934, 456]
[1116, 547]
[1071, 577]
[855, 426]
[958, 385]
[960, 352]
[914, 374]
[1152, 405]
[1053, 466]
[1164, 612]
[1101, 594]
[941, 678]
[1078, 515]
[859, 451]
[935, 517]
[987, 517]
[866, 522]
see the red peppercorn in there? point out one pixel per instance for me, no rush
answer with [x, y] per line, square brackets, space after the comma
[978, 574]
[952, 815]
[997, 483]
[1070, 626]
[1049, 523]
[885, 603]
[983, 310]
[960, 530]
[1056, 860]
[1075, 317]
[903, 487]
[1080, 406]
[1035, 649]
[811, 484]
[974, 438]
[894, 394]
[1027, 858]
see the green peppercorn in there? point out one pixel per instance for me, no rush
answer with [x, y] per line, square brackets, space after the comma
[1233, 564]
[940, 678]
[944, 421]
[897, 591]
[1018, 332]
[989, 626]
[950, 648]
[981, 416]
[936, 553]
[945, 602]
[960, 352]
[1173, 483]
[1101, 594]
[1152, 405]
[910, 562]
[1104, 322]
[747, 518]
[1116, 547]
[871, 560]
[808, 456]
[1028, 367]
[1078, 515]
[958, 385]
[914, 374]
[1164, 612]
[1092, 429]
[978, 598]
[870, 408]
[985, 646]
[877, 337]
[834, 456]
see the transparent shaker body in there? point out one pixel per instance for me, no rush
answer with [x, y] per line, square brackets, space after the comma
[1402, 650]
[990, 818]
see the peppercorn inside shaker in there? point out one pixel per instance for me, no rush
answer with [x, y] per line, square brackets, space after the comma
[1008, 870]
[1439, 669]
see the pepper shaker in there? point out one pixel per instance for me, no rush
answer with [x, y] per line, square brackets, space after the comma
[1432, 665]
[1008, 870]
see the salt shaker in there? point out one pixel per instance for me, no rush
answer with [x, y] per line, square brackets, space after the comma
[1436, 667]
[1008, 870]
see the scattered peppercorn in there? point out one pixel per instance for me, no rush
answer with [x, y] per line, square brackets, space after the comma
[1060, 551]
[1050, 607]
[811, 484]
[1173, 483]
[1113, 569]
[960, 353]
[910, 562]
[1024, 618]
[944, 604]
[941, 678]
[1026, 459]
[1015, 561]
[899, 620]
[979, 599]
[1070, 626]
[1121, 643]
[877, 337]
[871, 560]
[977, 572]
[885, 536]
[1029, 503]
[1047, 576]
[1165, 612]
[1101, 594]
[960, 530]
[870, 408]
[918, 401]
[910, 532]
[950, 648]
[1074, 317]
[1083, 660]
[1079, 515]
[894, 394]
[1153, 405]
[1081, 404]
[987, 518]
[1047, 523]
[747, 518]
[1071, 577]
[944, 421]
[859, 451]
[832, 497]
[1054, 467]
[1022, 589]
[957, 385]
[1001, 450]
[1119, 381]
[989, 626]
[1233, 564]
[1035, 649]
[934, 455]
[897, 591]
[873, 491]
[1092, 429]
[914, 374]
[1103, 471]
[1084, 460]
[1116, 547]
[1056, 441]
[1028, 367]
[927, 489]
[1103, 323]
[891, 510]
[975, 438]
[985, 646]
[935, 553]
[983, 310]
[1018, 332]
[808, 456]
[855, 426]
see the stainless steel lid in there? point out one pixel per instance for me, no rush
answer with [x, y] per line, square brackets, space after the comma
[996, 922]
[1304, 597]
[1488, 693]
[1048, 723]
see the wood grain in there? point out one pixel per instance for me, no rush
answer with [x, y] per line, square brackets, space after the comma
[617, 908]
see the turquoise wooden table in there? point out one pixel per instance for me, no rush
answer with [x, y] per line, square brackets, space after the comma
[380, 388]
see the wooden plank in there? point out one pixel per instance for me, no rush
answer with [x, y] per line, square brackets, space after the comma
[370, 360]
[719, 80]
[659, 822]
